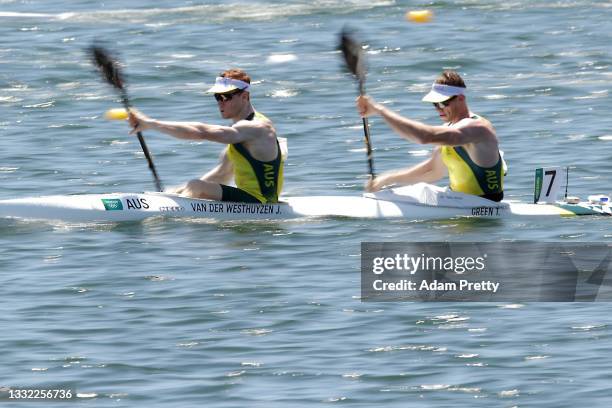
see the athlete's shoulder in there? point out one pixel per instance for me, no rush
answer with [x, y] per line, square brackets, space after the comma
[472, 120]
[256, 127]
[478, 120]
[476, 123]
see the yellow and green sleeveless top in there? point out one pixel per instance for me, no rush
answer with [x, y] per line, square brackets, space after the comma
[467, 177]
[262, 180]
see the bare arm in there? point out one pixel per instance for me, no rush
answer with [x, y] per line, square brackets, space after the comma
[222, 173]
[421, 133]
[195, 130]
[430, 170]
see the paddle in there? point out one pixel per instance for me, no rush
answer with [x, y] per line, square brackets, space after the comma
[111, 72]
[355, 62]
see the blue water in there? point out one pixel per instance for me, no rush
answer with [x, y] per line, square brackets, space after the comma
[187, 313]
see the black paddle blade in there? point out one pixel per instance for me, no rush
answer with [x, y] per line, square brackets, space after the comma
[109, 67]
[353, 54]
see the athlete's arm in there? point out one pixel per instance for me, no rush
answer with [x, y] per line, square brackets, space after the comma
[222, 173]
[238, 133]
[420, 132]
[429, 171]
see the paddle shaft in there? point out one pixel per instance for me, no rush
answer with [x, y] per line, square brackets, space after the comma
[143, 145]
[366, 132]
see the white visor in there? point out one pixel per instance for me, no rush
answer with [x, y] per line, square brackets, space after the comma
[441, 93]
[223, 85]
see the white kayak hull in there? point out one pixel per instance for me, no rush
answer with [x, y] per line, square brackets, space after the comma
[134, 207]
[121, 207]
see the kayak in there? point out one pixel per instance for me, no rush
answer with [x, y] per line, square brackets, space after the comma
[418, 202]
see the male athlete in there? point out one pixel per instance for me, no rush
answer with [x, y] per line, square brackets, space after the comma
[467, 146]
[253, 157]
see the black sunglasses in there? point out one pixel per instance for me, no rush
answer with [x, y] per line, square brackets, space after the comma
[444, 104]
[224, 97]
